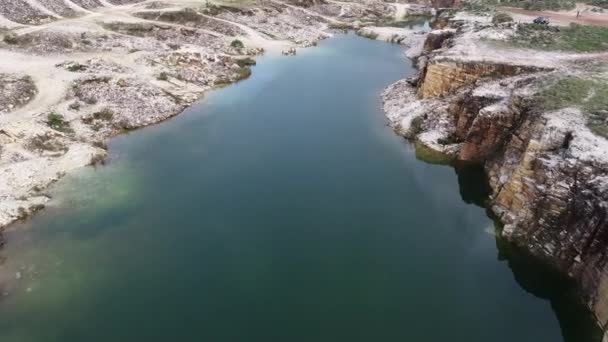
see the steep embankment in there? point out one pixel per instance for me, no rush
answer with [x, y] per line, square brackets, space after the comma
[547, 169]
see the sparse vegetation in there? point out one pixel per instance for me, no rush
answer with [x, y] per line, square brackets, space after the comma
[75, 67]
[58, 123]
[540, 5]
[90, 100]
[11, 39]
[574, 38]
[481, 6]
[105, 114]
[45, 143]
[590, 95]
[500, 18]
[600, 3]
[211, 9]
[237, 44]
[74, 106]
[163, 76]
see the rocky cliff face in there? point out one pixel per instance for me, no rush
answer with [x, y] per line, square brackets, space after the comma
[552, 199]
[443, 77]
[548, 172]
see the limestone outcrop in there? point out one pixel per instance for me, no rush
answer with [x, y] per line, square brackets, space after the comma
[547, 170]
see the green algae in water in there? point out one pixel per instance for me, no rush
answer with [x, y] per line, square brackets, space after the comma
[431, 156]
[114, 186]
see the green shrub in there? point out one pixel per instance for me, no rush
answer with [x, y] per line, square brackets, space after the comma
[237, 44]
[58, 123]
[75, 67]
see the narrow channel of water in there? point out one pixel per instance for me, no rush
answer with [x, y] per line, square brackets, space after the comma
[279, 209]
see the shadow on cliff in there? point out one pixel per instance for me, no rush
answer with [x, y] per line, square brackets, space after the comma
[537, 278]
[576, 322]
[472, 180]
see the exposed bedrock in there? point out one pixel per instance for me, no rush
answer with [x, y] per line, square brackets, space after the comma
[547, 171]
[441, 77]
[553, 200]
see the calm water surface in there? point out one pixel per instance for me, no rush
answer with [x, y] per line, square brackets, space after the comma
[278, 209]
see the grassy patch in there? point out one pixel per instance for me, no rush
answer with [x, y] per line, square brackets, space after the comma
[591, 96]
[540, 5]
[481, 6]
[574, 38]
[58, 123]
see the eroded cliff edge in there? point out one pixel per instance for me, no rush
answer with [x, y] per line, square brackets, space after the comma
[479, 100]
